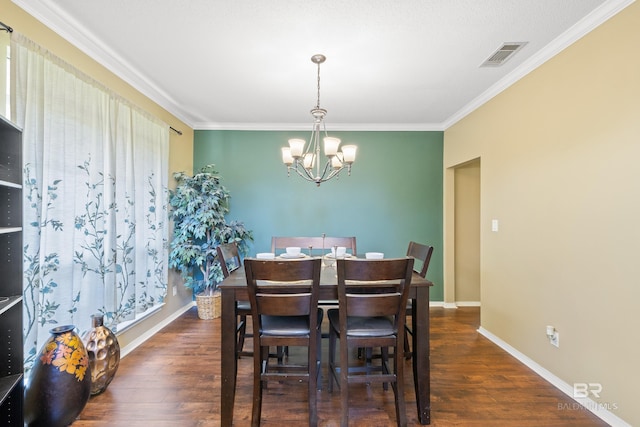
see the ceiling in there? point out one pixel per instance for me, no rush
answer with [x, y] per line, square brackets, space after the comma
[391, 64]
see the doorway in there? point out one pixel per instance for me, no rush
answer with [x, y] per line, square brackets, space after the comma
[467, 234]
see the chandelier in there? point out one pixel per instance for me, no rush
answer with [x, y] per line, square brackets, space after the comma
[306, 161]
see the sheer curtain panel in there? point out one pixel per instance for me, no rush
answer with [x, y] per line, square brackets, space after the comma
[95, 176]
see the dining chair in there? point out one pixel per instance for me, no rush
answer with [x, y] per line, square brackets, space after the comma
[422, 254]
[283, 296]
[371, 313]
[308, 244]
[229, 262]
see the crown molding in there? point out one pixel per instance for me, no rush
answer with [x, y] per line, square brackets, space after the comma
[377, 127]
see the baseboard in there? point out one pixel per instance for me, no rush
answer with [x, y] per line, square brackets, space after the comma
[598, 409]
[467, 303]
[454, 304]
[152, 331]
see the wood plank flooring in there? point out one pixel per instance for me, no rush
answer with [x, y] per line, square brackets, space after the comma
[174, 380]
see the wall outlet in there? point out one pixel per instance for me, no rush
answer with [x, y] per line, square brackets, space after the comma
[553, 335]
[175, 290]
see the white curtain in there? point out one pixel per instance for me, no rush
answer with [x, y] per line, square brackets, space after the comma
[95, 174]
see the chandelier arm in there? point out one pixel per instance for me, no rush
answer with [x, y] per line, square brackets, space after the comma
[327, 165]
[304, 175]
[317, 179]
[334, 173]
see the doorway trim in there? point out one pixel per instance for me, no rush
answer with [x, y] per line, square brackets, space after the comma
[449, 229]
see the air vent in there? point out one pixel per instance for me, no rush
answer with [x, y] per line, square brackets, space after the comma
[503, 54]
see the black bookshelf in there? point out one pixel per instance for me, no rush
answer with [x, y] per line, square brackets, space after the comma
[11, 349]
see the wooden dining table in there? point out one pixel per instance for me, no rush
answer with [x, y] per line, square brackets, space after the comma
[234, 289]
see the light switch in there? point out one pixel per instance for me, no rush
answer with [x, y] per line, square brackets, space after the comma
[494, 225]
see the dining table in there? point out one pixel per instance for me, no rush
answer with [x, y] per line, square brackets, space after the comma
[234, 289]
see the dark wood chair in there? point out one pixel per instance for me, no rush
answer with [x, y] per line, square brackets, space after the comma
[314, 245]
[311, 244]
[229, 262]
[284, 308]
[372, 298]
[422, 254]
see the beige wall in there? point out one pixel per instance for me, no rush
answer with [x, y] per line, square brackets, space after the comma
[181, 147]
[559, 152]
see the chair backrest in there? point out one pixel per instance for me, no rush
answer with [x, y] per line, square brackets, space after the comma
[283, 287]
[371, 288]
[229, 258]
[317, 243]
[421, 253]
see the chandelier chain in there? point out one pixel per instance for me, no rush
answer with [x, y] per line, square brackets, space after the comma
[318, 102]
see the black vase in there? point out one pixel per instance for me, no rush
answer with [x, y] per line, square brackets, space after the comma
[104, 354]
[59, 382]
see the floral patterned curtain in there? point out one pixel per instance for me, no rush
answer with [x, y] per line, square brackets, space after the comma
[95, 174]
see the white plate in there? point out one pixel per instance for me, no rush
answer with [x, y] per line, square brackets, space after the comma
[330, 255]
[288, 256]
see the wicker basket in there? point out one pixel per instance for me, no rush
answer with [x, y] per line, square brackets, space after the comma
[209, 306]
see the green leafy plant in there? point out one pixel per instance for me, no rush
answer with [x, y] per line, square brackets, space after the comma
[200, 204]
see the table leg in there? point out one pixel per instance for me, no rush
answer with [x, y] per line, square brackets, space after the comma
[421, 364]
[229, 362]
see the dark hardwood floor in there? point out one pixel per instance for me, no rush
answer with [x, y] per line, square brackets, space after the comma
[174, 380]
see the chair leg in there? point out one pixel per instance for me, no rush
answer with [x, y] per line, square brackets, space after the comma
[408, 354]
[401, 411]
[332, 358]
[384, 354]
[242, 332]
[259, 360]
[313, 387]
[344, 382]
[368, 356]
[319, 360]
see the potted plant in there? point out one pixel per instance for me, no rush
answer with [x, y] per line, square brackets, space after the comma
[199, 205]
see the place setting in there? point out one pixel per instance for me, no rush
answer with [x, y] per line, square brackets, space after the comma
[292, 252]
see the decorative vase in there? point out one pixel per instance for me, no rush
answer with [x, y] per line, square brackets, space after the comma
[59, 382]
[104, 354]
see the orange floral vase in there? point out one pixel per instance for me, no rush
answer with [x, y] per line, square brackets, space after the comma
[59, 383]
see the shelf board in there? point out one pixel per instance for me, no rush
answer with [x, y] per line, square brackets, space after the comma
[9, 184]
[13, 300]
[6, 123]
[7, 384]
[7, 230]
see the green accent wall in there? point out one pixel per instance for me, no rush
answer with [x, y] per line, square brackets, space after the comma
[394, 193]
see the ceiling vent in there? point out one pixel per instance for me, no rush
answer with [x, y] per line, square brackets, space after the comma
[503, 54]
